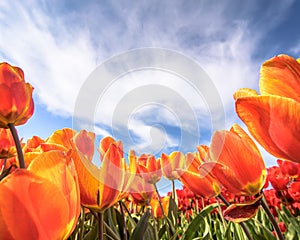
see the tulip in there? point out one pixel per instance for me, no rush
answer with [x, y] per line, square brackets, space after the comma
[149, 168]
[236, 162]
[141, 191]
[273, 118]
[155, 206]
[41, 202]
[100, 188]
[7, 144]
[171, 163]
[288, 168]
[105, 143]
[278, 180]
[16, 96]
[204, 186]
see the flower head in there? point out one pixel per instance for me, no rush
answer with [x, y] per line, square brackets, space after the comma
[16, 96]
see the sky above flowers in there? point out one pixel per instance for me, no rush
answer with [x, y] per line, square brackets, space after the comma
[59, 44]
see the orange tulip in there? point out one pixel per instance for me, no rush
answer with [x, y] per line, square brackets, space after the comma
[105, 143]
[100, 188]
[41, 202]
[236, 162]
[16, 96]
[273, 118]
[7, 144]
[141, 191]
[155, 206]
[149, 168]
[171, 163]
[204, 186]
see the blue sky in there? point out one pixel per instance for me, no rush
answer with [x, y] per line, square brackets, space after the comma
[59, 44]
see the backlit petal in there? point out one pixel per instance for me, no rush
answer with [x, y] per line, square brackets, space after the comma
[280, 76]
[274, 122]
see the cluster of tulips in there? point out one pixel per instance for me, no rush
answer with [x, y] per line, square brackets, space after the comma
[51, 189]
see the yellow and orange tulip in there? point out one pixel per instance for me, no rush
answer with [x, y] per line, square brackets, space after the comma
[273, 118]
[171, 163]
[100, 188]
[16, 96]
[155, 206]
[41, 202]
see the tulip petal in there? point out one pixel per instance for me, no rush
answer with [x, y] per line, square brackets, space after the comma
[238, 154]
[242, 212]
[281, 76]
[274, 122]
[54, 167]
[33, 202]
[225, 175]
[87, 179]
[202, 186]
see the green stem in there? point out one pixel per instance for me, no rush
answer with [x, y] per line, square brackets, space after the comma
[100, 225]
[271, 217]
[244, 227]
[159, 200]
[124, 230]
[111, 232]
[82, 219]
[18, 144]
[174, 195]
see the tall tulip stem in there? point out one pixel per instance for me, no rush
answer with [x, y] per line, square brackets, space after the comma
[159, 200]
[100, 226]
[124, 229]
[14, 133]
[271, 217]
[244, 227]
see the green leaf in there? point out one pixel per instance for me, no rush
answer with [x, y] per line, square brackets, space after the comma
[173, 211]
[141, 227]
[194, 224]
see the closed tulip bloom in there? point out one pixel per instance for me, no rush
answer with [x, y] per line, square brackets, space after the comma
[170, 164]
[149, 168]
[7, 144]
[105, 143]
[41, 202]
[273, 118]
[16, 96]
[236, 162]
[202, 185]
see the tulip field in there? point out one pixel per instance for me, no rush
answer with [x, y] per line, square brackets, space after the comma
[51, 188]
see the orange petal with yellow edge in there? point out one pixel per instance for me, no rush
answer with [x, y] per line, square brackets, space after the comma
[280, 76]
[274, 122]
